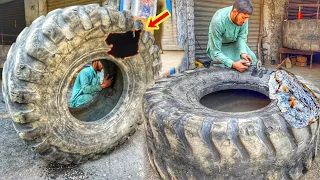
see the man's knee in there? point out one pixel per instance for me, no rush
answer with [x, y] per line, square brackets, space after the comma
[83, 99]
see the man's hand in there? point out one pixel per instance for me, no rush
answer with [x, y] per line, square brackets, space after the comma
[241, 65]
[246, 57]
[106, 82]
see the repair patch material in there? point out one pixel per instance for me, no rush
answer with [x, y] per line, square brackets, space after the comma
[299, 105]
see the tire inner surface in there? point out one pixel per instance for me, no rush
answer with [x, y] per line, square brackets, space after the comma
[235, 100]
[105, 100]
[234, 97]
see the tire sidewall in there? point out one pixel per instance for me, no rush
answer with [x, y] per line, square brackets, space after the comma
[107, 131]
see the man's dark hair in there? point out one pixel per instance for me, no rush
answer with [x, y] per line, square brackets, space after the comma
[96, 60]
[243, 6]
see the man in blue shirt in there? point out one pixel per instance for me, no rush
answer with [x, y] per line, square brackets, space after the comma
[87, 84]
[228, 33]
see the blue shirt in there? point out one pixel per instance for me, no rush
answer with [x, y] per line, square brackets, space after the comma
[85, 87]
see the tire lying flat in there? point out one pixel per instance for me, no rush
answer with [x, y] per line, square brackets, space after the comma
[41, 64]
[186, 140]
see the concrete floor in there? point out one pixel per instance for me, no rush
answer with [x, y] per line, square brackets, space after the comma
[171, 59]
[20, 163]
[127, 162]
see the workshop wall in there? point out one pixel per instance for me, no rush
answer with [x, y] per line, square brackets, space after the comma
[273, 19]
[34, 9]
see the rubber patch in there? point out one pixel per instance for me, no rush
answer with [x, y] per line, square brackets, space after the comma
[299, 105]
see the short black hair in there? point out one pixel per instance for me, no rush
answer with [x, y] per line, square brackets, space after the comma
[243, 6]
[96, 60]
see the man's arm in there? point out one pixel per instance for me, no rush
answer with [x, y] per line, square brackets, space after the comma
[215, 43]
[242, 39]
[85, 83]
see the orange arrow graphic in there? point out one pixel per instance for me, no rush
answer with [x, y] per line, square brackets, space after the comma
[153, 24]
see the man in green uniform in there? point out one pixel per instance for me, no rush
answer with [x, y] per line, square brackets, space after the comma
[228, 35]
[87, 84]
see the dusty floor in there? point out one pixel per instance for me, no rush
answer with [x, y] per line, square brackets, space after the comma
[127, 162]
[171, 59]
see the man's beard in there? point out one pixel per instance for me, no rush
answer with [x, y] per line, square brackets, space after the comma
[236, 20]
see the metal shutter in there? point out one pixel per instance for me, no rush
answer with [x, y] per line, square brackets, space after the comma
[307, 12]
[12, 20]
[203, 12]
[55, 4]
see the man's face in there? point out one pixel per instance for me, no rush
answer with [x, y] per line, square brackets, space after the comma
[241, 18]
[99, 66]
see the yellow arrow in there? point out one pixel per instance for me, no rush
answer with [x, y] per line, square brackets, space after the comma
[153, 24]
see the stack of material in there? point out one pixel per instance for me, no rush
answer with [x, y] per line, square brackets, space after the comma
[301, 61]
[288, 63]
[293, 60]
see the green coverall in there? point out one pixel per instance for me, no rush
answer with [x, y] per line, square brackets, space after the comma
[85, 87]
[227, 41]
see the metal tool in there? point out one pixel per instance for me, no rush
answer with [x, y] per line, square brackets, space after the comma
[258, 70]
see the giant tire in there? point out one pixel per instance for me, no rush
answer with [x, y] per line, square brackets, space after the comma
[186, 140]
[302, 34]
[41, 64]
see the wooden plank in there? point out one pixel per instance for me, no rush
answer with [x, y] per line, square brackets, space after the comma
[304, 5]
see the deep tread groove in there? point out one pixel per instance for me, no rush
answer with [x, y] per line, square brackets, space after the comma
[149, 137]
[310, 131]
[85, 19]
[105, 18]
[40, 47]
[206, 137]
[233, 130]
[161, 167]
[285, 175]
[288, 133]
[179, 129]
[268, 144]
[160, 125]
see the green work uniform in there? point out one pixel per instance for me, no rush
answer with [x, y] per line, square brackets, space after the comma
[85, 87]
[227, 41]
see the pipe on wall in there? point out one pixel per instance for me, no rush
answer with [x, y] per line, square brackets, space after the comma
[135, 4]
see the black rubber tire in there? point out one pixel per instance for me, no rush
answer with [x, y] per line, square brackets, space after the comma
[302, 34]
[187, 140]
[41, 64]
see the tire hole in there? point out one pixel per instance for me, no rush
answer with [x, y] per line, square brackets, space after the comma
[123, 44]
[235, 100]
[99, 104]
